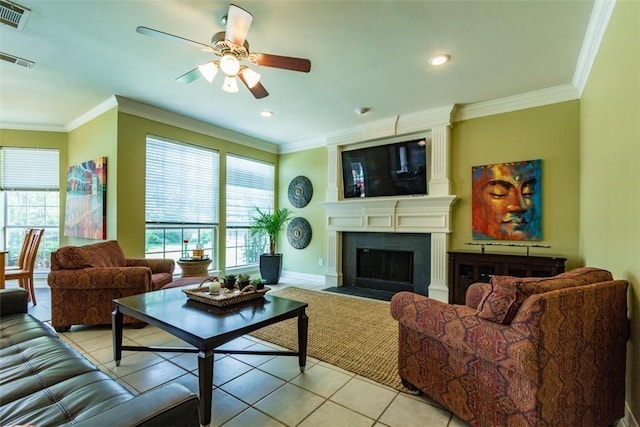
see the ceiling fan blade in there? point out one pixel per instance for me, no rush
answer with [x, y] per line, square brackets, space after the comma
[238, 23]
[284, 62]
[166, 36]
[258, 91]
[189, 76]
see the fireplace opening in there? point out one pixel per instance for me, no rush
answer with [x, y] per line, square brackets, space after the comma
[395, 266]
[388, 262]
[385, 270]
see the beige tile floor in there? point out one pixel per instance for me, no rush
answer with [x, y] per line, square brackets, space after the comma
[261, 390]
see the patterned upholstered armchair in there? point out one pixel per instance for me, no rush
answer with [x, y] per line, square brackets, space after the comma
[521, 352]
[84, 280]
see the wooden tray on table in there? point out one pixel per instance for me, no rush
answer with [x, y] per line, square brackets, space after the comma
[225, 297]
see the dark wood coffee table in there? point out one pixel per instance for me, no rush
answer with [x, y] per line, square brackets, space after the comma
[207, 327]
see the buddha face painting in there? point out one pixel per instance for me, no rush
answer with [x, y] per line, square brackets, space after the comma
[506, 202]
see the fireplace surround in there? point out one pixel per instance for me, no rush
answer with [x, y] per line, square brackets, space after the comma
[429, 214]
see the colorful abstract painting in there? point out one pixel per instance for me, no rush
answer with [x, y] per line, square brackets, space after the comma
[506, 203]
[86, 205]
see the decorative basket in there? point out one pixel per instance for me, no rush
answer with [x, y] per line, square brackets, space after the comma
[225, 297]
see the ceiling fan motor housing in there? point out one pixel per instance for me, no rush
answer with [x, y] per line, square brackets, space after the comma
[221, 46]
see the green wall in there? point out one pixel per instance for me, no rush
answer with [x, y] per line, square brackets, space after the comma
[550, 133]
[98, 138]
[610, 159]
[313, 165]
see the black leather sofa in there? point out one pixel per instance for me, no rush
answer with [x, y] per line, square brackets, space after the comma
[45, 382]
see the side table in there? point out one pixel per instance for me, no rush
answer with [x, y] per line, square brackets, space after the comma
[193, 267]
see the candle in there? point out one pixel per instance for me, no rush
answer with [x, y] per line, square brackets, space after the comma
[214, 287]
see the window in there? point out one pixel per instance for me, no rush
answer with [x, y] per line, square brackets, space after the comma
[181, 203]
[30, 198]
[250, 184]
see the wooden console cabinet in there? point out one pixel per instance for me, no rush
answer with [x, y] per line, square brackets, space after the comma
[466, 268]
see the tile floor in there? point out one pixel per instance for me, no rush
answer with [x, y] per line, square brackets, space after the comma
[258, 390]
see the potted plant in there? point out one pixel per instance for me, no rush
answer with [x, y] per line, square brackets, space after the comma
[243, 280]
[270, 224]
[230, 281]
[257, 283]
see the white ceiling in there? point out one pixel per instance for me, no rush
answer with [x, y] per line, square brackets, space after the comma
[367, 53]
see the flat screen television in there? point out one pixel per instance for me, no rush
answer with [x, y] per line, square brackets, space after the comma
[385, 170]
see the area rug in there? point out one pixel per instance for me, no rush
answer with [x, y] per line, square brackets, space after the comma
[354, 334]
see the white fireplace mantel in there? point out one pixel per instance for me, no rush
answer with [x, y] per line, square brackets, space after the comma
[423, 214]
[402, 214]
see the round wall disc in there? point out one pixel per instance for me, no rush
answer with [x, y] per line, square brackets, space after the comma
[299, 233]
[300, 191]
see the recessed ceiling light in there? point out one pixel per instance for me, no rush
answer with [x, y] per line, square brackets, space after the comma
[439, 59]
[266, 113]
[362, 110]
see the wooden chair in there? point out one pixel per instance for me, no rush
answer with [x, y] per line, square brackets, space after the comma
[23, 251]
[24, 274]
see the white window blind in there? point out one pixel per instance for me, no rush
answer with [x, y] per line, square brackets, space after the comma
[29, 169]
[182, 185]
[250, 184]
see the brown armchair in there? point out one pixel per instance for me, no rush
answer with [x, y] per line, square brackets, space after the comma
[521, 352]
[84, 281]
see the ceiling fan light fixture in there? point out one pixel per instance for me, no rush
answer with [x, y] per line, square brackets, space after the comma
[209, 70]
[229, 64]
[230, 84]
[250, 77]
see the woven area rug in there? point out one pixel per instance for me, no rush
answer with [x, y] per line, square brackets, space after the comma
[354, 334]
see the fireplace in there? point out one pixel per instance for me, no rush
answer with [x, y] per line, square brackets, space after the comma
[426, 215]
[390, 262]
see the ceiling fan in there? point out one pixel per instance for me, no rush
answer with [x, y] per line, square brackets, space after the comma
[232, 48]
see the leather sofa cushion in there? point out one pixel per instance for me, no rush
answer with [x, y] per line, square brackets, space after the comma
[46, 382]
[17, 328]
[508, 293]
[74, 398]
[103, 254]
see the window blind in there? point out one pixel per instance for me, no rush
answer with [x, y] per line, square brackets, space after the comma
[182, 185]
[29, 169]
[250, 184]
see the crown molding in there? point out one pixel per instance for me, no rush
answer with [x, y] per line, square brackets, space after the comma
[427, 119]
[309, 144]
[128, 106]
[598, 22]
[523, 101]
[96, 111]
[38, 128]
[424, 120]
[387, 127]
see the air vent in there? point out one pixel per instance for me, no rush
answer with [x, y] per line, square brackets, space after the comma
[13, 15]
[15, 60]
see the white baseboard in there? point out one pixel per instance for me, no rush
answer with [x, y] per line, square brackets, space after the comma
[294, 276]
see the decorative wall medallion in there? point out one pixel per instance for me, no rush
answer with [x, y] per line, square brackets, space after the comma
[300, 191]
[299, 233]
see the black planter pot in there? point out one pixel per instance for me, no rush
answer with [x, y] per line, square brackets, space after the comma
[230, 283]
[270, 268]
